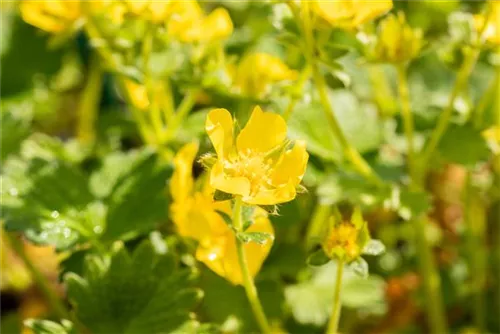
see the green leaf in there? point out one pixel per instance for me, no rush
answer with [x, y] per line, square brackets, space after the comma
[318, 258]
[359, 122]
[310, 300]
[358, 292]
[337, 79]
[18, 68]
[18, 130]
[39, 202]
[222, 196]
[142, 292]
[137, 200]
[333, 51]
[247, 215]
[260, 238]
[463, 145]
[50, 327]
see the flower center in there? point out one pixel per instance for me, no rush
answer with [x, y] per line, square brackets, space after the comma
[253, 166]
[343, 237]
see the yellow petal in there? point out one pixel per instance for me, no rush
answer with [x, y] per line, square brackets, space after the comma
[185, 15]
[281, 194]
[181, 183]
[51, 16]
[263, 132]
[333, 11]
[212, 253]
[137, 93]
[236, 185]
[274, 68]
[368, 10]
[219, 127]
[291, 166]
[220, 253]
[160, 10]
[217, 24]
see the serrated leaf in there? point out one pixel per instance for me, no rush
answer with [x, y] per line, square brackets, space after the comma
[142, 292]
[318, 258]
[463, 145]
[137, 201]
[260, 238]
[40, 203]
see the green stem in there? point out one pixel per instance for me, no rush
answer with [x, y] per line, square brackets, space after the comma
[431, 280]
[182, 111]
[248, 282]
[40, 280]
[155, 111]
[349, 151]
[445, 117]
[111, 62]
[333, 324]
[89, 102]
[297, 92]
[382, 94]
[404, 96]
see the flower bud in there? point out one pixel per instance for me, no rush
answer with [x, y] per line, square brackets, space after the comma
[397, 42]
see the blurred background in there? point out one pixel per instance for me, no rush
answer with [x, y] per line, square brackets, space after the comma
[42, 82]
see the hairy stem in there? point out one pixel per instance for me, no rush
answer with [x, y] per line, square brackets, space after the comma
[89, 102]
[350, 151]
[333, 324]
[248, 282]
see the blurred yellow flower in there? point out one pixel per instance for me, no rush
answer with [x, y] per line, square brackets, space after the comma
[342, 239]
[189, 24]
[492, 137]
[397, 41]
[137, 93]
[155, 11]
[492, 28]
[346, 240]
[194, 212]
[54, 16]
[350, 13]
[258, 71]
[259, 166]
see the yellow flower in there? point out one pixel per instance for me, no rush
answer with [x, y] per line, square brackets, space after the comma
[189, 24]
[342, 239]
[492, 137]
[350, 14]
[137, 93]
[155, 11]
[195, 215]
[257, 71]
[346, 240]
[258, 166]
[397, 41]
[492, 28]
[54, 16]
